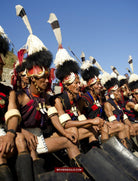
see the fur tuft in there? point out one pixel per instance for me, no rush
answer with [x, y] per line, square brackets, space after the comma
[4, 45]
[66, 68]
[42, 58]
[89, 73]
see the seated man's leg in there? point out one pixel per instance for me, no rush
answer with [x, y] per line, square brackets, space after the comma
[24, 165]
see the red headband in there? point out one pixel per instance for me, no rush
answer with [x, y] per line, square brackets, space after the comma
[93, 81]
[37, 71]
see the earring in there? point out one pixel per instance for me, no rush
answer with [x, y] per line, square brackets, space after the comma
[112, 96]
[36, 86]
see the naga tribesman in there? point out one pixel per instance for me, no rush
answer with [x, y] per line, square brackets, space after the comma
[90, 102]
[66, 103]
[113, 112]
[38, 116]
[11, 141]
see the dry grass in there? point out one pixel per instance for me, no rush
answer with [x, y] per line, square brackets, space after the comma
[10, 59]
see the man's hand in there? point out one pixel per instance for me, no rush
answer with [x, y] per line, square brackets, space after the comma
[97, 121]
[71, 136]
[7, 143]
[31, 139]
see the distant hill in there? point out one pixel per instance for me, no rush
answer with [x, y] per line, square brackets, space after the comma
[10, 59]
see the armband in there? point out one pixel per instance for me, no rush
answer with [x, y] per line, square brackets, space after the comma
[112, 118]
[64, 118]
[52, 111]
[136, 107]
[81, 117]
[12, 112]
[125, 116]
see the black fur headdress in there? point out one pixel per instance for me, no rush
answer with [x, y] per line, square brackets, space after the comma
[66, 68]
[133, 82]
[89, 73]
[4, 45]
[111, 83]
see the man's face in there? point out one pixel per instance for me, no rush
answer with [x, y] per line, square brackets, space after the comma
[125, 90]
[117, 94]
[135, 95]
[96, 88]
[75, 86]
[24, 79]
[42, 82]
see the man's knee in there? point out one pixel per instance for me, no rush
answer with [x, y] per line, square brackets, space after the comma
[20, 142]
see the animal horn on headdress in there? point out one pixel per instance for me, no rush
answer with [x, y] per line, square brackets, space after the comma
[130, 61]
[82, 57]
[56, 28]
[94, 62]
[21, 12]
[114, 69]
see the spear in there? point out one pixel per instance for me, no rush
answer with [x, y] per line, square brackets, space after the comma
[74, 54]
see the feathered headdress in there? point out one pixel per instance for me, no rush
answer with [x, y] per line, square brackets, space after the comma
[109, 82]
[66, 66]
[89, 73]
[122, 80]
[4, 45]
[133, 79]
[39, 58]
[133, 82]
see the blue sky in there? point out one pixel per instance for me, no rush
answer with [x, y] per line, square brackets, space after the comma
[104, 29]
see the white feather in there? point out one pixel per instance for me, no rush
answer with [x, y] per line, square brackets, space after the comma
[18, 9]
[82, 55]
[91, 58]
[113, 68]
[56, 31]
[131, 64]
[96, 64]
[24, 18]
